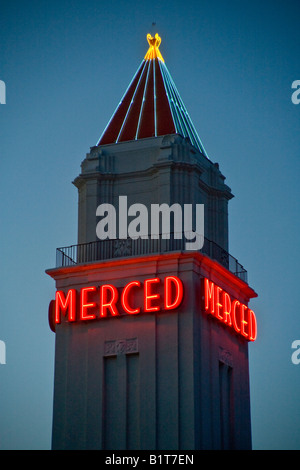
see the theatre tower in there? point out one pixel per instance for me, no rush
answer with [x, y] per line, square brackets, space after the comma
[152, 332]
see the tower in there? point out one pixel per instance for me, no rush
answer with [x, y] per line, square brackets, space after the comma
[151, 312]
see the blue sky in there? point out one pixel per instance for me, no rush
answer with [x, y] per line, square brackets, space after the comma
[66, 64]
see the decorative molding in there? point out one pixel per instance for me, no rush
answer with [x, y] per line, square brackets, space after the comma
[120, 347]
[225, 357]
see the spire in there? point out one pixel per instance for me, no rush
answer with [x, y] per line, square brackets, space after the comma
[151, 105]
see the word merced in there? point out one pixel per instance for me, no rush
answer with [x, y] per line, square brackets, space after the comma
[96, 302]
[229, 311]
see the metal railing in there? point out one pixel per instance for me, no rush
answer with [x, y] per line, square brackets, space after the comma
[118, 248]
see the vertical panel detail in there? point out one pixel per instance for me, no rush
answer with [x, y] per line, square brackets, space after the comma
[226, 406]
[133, 402]
[167, 380]
[111, 428]
[121, 409]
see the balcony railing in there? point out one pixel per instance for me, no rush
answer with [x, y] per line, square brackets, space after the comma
[117, 248]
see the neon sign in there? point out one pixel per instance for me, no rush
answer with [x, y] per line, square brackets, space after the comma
[93, 302]
[150, 296]
[218, 303]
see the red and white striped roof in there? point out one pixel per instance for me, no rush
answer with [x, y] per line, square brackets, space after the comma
[151, 105]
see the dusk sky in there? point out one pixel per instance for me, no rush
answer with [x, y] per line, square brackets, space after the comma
[66, 65]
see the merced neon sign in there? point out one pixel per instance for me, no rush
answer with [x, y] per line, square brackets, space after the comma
[106, 300]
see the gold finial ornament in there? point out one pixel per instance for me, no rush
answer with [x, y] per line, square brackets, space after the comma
[153, 51]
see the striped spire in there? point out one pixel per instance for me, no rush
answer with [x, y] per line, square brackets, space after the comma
[151, 105]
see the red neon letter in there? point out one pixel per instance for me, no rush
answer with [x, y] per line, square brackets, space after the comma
[235, 304]
[148, 297]
[124, 298]
[62, 304]
[104, 303]
[218, 305]
[252, 325]
[84, 305]
[209, 289]
[227, 308]
[168, 292]
[243, 322]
